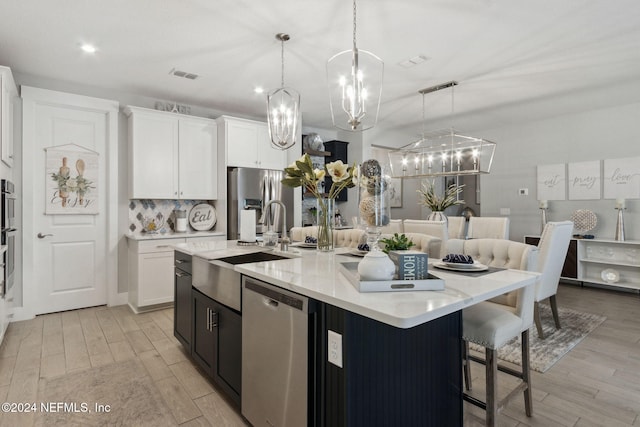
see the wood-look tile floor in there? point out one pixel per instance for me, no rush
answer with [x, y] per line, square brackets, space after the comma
[596, 384]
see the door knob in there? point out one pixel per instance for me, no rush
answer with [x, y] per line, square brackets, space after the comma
[42, 236]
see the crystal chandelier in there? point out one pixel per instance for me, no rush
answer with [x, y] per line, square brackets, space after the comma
[355, 86]
[442, 153]
[283, 106]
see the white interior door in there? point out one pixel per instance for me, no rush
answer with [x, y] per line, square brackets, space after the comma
[71, 263]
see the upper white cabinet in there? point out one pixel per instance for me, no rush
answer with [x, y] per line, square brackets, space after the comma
[171, 156]
[247, 144]
[8, 97]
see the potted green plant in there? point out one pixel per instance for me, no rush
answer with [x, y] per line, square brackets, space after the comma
[397, 242]
[436, 203]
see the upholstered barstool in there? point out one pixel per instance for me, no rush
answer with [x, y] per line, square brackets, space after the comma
[457, 227]
[432, 228]
[485, 227]
[492, 324]
[553, 246]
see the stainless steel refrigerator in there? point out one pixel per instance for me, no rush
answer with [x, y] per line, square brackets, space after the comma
[249, 188]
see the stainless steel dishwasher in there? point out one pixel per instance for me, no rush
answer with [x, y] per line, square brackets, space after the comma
[275, 353]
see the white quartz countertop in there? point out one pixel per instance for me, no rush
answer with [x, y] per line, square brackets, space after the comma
[317, 275]
[173, 235]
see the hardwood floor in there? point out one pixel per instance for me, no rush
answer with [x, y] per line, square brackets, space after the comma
[58, 344]
[595, 384]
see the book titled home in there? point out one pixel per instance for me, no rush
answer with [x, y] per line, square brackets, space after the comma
[411, 265]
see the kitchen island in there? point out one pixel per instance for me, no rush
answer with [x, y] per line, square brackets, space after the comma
[400, 351]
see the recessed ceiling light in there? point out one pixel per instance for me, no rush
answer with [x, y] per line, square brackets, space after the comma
[258, 90]
[88, 48]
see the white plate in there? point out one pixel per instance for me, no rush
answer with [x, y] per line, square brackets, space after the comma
[461, 265]
[358, 252]
[469, 267]
[305, 245]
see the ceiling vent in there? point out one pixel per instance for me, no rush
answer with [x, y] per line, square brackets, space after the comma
[184, 74]
[412, 62]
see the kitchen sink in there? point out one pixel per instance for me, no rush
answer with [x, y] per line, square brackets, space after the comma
[217, 279]
[252, 257]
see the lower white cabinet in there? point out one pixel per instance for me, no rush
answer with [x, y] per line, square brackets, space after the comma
[151, 271]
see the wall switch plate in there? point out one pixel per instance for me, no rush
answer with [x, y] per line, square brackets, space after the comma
[334, 348]
[523, 192]
[505, 211]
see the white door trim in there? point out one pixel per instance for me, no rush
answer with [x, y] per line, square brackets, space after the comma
[31, 98]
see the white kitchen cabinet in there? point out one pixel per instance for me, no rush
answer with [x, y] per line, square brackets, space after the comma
[151, 273]
[247, 144]
[151, 270]
[8, 99]
[171, 156]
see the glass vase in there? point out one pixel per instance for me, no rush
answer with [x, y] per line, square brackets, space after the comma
[325, 213]
[373, 200]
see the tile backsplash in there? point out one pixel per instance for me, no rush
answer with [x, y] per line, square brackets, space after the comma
[160, 210]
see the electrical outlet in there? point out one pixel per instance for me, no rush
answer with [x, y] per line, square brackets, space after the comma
[505, 211]
[523, 192]
[335, 348]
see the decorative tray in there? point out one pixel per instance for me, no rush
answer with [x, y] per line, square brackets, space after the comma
[350, 271]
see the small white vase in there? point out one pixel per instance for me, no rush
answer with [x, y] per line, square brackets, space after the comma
[376, 265]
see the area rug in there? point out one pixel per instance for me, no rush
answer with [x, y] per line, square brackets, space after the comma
[545, 353]
[81, 399]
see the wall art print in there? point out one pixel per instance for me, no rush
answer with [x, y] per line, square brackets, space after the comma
[584, 180]
[395, 192]
[622, 178]
[552, 182]
[72, 180]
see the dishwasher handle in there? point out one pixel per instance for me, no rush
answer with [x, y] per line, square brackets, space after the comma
[275, 297]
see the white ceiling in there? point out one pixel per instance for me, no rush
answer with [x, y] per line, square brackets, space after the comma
[515, 60]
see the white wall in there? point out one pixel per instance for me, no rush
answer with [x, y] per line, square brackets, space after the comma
[591, 135]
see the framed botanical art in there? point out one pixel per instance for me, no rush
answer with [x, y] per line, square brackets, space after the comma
[395, 192]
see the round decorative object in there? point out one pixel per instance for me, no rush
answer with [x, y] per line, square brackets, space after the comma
[313, 141]
[202, 217]
[376, 265]
[610, 275]
[371, 168]
[584, 220]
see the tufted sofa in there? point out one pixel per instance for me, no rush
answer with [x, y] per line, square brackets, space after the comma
[352, 237]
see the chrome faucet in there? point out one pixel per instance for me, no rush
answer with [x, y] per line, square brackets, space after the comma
[284, 241]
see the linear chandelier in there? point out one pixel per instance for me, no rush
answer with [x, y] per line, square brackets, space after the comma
[444, 152]
[355, 86]
[283, 106]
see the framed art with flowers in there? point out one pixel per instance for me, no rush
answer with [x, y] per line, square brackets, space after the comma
[72, 180]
